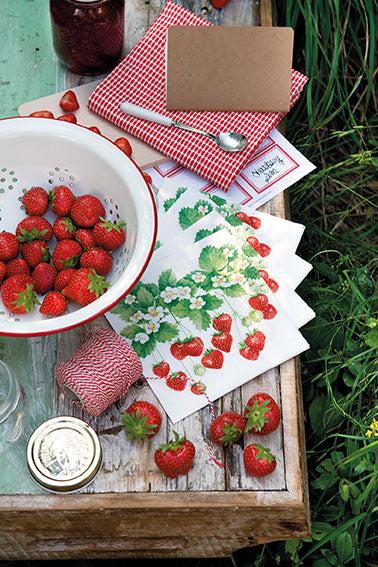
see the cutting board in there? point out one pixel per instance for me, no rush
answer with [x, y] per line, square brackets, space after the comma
[143, 155]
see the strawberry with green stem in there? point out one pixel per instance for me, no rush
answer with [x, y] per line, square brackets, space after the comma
[177, 381]
[192, 346]
[248, 352]
[213, 358]
[258, 460]
[85, 286]
[18, 294]
[227, 428]
[222, 341]
[198, 388]
[61, 200]
[161, 369]
[34, 228]
[262, 413]
[141, 420]
[176, 457]
[66, 254]
[108, 235]
[64, 228]
[256, 340]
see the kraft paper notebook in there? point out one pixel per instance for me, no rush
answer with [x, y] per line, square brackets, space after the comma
[229, 68]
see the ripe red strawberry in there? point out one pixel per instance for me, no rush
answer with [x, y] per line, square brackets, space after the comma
[17, 266]
[260, 302]
[264, 250]
[262, 413]
[53, 304]
[256, 341]
[68, 118]
[258, 460]
[177, 351]
[124, 145]
[213, 359]
[192, 346]
[219, 3]
[161, 369]
[147, 177]
[270, 311]
[108, 235]
[35, 252]
[242, 216]
[34, 228]
[68, 102]
[62, 279]
[61, 200]
[64, 228]
[177, 381]
[248, 352]
[95, 129]
[264, 274]
[176, 457]
[18, 294]
[223, 323]
[227, 428]
[9, 246]
[86, 211]
[254, 242]
[42, 114]
[35, 201]
[3, 270]
[198, 388]
[141, 421]
[254, 222]
[85, 286]
[43, 277]
[273, 285]
[223, 341]
[85, 237]
[66, 254]
[98, 259]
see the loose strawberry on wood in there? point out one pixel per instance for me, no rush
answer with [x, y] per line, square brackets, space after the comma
[9, 246]
[54, 304]
[35, 201]
[85, 286]
[87, 211]
[262, 413]
[108, 235]
[176, 457]
[258, 460]
[18, 294]
[227, 428]
[34, 228]
[141, 421]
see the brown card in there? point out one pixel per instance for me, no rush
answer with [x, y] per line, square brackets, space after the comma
[229, 68]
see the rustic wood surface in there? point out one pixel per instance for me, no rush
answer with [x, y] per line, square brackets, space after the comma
[170, 518]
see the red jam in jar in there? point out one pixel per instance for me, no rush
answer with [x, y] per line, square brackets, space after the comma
[88, 34]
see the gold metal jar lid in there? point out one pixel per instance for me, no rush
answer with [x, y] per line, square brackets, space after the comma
[64, 454]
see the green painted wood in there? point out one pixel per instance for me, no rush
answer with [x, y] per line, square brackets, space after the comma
[28, 64]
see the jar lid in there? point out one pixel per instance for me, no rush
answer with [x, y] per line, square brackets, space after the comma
[64, 454]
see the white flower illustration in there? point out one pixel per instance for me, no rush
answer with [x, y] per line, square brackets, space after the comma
[200, 291]
[129, 299]
[152, 327]
[237, 278]
[198, 277]
[137, 316]
[217, 292]
[196, 303]
[183, 292]
[240, 264]
[204, 209]
[168, 294]
[141, 338]
[219, 281]
[154, 313]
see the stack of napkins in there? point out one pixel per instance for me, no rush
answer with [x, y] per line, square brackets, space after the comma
[217, 305]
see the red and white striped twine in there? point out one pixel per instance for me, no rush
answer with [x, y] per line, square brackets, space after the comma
[101, 371]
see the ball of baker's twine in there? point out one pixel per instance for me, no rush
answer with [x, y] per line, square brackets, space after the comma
[100, 371]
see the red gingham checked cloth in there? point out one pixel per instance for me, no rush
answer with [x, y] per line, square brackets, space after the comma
[140, 79]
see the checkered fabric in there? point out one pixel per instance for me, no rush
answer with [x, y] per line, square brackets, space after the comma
[140, 79]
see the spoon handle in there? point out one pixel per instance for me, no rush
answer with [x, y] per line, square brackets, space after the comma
[145, 114]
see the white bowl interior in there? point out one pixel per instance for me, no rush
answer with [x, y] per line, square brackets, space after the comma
[47, 153]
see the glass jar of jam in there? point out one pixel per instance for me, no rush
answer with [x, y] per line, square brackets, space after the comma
[88, 34]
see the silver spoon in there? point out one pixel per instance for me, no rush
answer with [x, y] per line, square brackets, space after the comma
[227, 141]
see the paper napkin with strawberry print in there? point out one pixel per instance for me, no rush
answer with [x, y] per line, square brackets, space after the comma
[200, 310]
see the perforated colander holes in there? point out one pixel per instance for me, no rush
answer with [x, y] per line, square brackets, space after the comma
[112, 210]
[121, 263]
[59, 176]
[7, 180]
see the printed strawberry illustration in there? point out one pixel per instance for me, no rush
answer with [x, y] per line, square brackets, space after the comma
[254, 242]
[18, 294]
[270, 311]
[227, 428]
[63, 278]
[66, 254]
[69, 102]
[258, 460]
[193, 346]
[222, 341]
[264, 274]
[176, 457]
[34, 228]
[98, 259]
[213, 359]
[85, 237]
[17, 266]
[9, 246]
[61, 200]
[35, 252]
[272, 284]
[54, 304]
[35, 201]
[86, 211]
[256, 341]
[108, 235]
[222, 323]
[141, 421]
[177, 351]
[3, 271]
[161, 369]
[43, 277]
[248, 352]
[177, 381]
[262, 414]
[259, 302]
[85, 286]
[63, 228]
[124, 145]
[242, 216]
[254, 222]
[264, 250]
[198, 388]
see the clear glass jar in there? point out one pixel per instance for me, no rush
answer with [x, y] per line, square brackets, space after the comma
[12, 408]
[88, 34]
